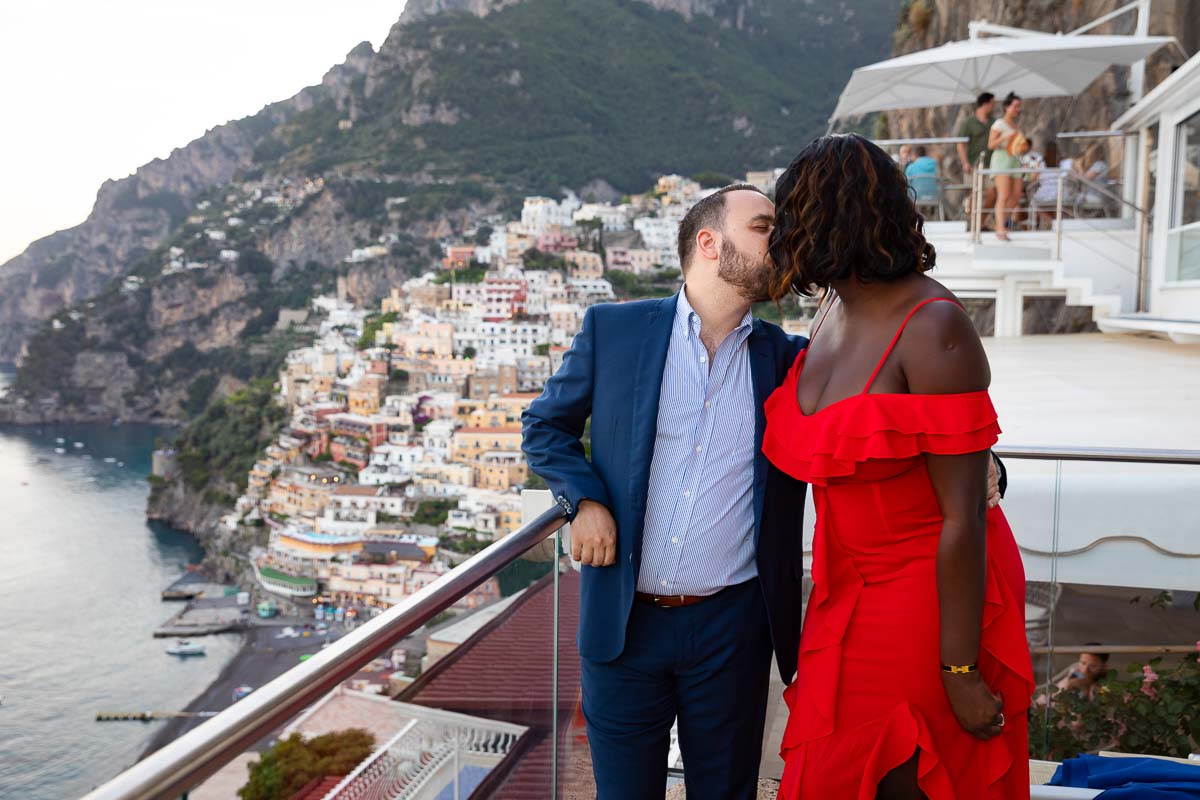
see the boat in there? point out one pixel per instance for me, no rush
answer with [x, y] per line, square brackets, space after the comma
[109, 460]
[185, 647]
[59, 450]
[60, 440]
[78, 445]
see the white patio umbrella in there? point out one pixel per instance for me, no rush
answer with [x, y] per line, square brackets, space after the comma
[1039, 65]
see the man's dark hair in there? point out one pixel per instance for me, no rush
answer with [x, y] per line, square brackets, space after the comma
[1009, 99]
[708, 213]
[1102, 656]
[984, 99]
[842, 209]
[921, 151]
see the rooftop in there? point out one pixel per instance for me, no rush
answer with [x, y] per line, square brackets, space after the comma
[358, 491]
[276, 575]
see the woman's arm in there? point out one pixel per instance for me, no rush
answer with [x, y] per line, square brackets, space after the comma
[994, 137]
[943, 355]
[997, 137]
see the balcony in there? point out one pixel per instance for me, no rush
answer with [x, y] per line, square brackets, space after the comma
[1108, 539]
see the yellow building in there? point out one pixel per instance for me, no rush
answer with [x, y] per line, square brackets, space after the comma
[584, 264]
[471, 443]
[366, 397]
[302, 493]
[499, 474]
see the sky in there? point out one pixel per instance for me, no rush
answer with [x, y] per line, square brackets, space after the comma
[92, 90]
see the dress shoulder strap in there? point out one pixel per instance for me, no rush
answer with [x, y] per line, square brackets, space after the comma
[896, 338]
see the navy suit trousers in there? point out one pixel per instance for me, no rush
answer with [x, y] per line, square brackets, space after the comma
[706, 664]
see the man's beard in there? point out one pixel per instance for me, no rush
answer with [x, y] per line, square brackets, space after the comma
[752, 280]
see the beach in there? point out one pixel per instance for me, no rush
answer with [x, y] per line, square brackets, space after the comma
[261, 658]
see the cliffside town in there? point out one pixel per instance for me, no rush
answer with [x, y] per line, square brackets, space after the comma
[394, 430]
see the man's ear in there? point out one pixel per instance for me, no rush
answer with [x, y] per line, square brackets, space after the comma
[708, 243]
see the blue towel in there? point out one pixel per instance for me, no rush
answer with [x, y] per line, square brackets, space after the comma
[1130, 778]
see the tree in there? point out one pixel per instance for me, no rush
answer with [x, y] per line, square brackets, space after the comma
[468, 352]
[292, 762]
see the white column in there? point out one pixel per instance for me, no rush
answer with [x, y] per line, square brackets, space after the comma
[1137, 72]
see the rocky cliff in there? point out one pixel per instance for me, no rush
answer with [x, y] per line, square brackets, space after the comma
[133, 216]
[168, 294]
[529, 98]
[929, 23]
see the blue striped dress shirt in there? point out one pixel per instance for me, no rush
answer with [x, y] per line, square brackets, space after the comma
[699, 532]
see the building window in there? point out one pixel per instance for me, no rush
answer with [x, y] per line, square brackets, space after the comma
[1183, 239]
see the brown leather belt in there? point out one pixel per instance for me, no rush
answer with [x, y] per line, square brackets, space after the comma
[670, 600]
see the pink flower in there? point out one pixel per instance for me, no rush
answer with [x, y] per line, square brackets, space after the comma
[1148, 674]
[1149, 691]
[1198, 645]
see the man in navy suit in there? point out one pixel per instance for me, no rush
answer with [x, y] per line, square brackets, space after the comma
[689, 579]
[690, 539]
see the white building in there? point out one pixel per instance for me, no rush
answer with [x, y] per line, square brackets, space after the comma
[539, 213]
[661, 234]
[391, 464]
[613, 218]
[590, 290]
[1167, 121]
[438, 436]
[502, 342]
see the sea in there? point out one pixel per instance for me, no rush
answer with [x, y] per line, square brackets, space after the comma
[81, 572]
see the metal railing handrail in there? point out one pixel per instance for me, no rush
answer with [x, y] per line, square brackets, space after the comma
[185, 762]
[1066, 175]
[921, 140]
[1094, 134]
[1122, 455]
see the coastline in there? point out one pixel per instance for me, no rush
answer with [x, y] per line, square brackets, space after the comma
[260, 658]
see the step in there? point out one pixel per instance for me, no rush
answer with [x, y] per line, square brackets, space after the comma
[1011, 251]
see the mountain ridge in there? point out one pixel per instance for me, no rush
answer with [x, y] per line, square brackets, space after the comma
[466, 107]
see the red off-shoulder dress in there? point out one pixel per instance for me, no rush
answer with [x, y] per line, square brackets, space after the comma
[868, 692]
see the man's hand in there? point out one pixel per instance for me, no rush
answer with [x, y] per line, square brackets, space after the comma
[993, 486]
[594, 535]
[966, 165]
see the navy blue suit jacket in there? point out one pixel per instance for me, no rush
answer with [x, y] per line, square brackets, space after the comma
[613, 373]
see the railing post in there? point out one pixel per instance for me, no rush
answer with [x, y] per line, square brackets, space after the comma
[976, 203]
[1058, 209]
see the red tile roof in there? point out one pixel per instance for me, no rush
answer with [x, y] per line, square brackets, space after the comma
[505, 672]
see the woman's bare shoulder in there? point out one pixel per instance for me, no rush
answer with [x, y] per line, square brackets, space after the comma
[940, 352]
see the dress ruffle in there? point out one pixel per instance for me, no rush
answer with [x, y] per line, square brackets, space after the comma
[865, 427]
[1004, 659]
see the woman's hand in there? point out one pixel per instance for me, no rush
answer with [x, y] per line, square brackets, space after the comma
[977, 708]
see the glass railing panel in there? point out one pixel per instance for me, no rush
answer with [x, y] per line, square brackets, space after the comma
[1031, 507]
[573, 774]
[473, 713]
[1111, 556]
[1129, 566]
[463, 707]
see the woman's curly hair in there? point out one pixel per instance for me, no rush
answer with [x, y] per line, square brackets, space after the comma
[843, 209]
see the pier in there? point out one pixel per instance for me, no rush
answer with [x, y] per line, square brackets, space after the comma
[149, 716]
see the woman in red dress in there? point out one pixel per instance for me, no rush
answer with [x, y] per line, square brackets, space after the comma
[914, 676]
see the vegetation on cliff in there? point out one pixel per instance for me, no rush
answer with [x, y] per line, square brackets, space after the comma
[225, 440]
